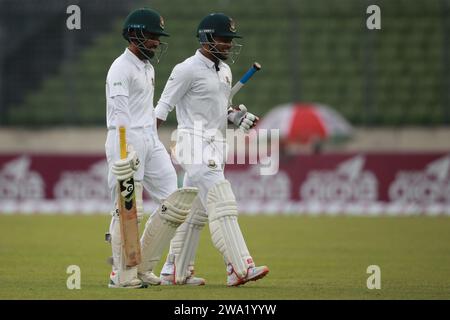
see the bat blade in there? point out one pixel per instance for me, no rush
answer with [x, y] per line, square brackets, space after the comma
[129, 229]
[128, 223]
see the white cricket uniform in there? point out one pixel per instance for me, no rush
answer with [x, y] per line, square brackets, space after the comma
[200, 95]
[129, 93]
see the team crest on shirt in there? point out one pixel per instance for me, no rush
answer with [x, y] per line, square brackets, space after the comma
[212, 164]
[232, 26]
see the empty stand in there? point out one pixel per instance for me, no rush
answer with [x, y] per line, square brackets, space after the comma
[315, 51]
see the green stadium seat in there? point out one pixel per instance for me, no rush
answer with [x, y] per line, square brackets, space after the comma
[324, 48]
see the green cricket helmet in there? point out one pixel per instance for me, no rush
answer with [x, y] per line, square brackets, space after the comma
[136, 28]
[219, 25]
[216, 25]
[144, 19]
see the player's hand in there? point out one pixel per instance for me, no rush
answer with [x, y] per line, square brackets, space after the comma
[242, 119]
[125, 168]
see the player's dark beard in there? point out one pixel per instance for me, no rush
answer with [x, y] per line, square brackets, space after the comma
[148, 53]
[217, 54]
[221, 56]
[145, 53]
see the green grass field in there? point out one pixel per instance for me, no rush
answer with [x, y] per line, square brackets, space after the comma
[308, 257]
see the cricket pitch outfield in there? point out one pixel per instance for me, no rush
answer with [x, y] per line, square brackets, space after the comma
[309, 258]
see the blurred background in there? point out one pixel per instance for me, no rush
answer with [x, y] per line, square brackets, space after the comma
[389, 86]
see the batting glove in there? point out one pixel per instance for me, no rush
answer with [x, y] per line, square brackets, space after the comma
[125, 168]
[242, 119]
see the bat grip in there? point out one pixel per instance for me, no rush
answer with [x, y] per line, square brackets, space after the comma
[248, 75]
[122, 143]
[256, 66]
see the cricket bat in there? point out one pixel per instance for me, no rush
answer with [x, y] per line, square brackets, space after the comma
[127, 212]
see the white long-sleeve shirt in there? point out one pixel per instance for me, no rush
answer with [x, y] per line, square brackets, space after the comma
[130, 87]
[199, 93]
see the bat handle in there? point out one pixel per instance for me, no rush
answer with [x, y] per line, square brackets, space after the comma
[122, 143]
[256, 66]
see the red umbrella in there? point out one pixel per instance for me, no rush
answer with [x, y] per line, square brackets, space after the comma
[304, 123]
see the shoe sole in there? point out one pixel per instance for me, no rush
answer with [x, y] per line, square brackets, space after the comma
[259, 276]
[152, 284]
[112, 286]
[169, 283]
[195, 284]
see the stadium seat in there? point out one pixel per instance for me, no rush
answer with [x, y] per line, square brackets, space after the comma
[313, 50]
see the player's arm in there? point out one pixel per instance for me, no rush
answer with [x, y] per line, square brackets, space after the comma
[177, 85]
[158, 123]
[121, 111]
[117, 86]
[161, 112]
[118, 92]
[123, 169]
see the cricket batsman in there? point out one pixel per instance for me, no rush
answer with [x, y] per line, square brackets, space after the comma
[199, 88]
[130, 87]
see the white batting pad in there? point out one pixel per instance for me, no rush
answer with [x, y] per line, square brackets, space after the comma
[161, 226]
[225, 232]
[185, 242]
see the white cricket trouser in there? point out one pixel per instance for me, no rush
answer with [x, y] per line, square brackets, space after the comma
[202, 159]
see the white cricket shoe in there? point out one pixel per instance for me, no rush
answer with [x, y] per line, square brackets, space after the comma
[169, 279]
[253, 274]
[149, 278]
[130, 284]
